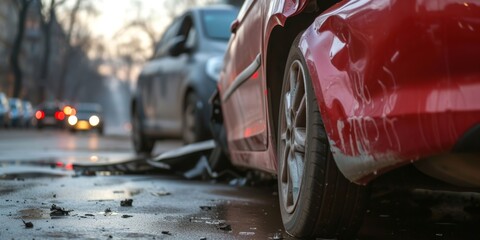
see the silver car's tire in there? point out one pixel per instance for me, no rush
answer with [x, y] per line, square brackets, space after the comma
[316, 200]
[192, 124]
[141, 143]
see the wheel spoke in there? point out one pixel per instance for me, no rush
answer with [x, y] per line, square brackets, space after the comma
[283, 164]
[293, 78]
[295, 174]
[299, 93]
[283, 137]
[301, 114]
[300, 139]
[288, 107]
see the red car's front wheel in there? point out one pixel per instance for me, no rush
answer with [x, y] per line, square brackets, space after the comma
[316, 200]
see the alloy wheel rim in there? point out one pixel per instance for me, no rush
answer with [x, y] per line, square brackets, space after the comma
[293, 135]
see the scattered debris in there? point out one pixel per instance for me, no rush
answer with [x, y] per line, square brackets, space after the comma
[200, 169]
[166, 233]
[58, 211]
[246, 233]
[240, 181]
[203, 238]
[27, 224]
[224, 227]
[277, 236]
[206, 208]
[108, 211]
[89, 215]
[126, 216]
[126, 203]
[54, 195]
[161, 193]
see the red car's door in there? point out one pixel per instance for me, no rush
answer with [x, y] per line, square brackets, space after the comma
[242, 89]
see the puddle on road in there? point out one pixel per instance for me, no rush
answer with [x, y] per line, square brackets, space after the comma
[243, 219]
[26, 169]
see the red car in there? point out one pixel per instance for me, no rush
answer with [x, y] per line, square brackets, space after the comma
[329, 95]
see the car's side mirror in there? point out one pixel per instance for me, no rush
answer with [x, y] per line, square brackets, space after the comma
[177, 46]
[234, 26]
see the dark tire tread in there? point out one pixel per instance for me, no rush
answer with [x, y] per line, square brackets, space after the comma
[334, 207]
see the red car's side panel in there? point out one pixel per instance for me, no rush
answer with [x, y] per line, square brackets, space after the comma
[246, 125]
[245, 110]
[396, 80]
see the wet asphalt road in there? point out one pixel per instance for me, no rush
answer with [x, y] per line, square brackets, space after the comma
[35, 173]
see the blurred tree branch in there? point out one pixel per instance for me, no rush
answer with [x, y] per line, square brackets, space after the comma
[78, 37]
[17, 45]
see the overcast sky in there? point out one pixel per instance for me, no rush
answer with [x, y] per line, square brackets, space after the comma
[115, 13]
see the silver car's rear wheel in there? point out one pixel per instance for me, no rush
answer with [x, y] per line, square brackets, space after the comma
[316, 200]
[141, 143]
[190, 121]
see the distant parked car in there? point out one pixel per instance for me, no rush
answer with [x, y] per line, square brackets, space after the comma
[87, 116]
[329, 95]
[27, 113]
[50, 114]
[173, 89]
[4, 111]
[16, 112]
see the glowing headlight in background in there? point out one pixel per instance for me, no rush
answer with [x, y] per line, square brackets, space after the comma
[72, 120]
[94, 120]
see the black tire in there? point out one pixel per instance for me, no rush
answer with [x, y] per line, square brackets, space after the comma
[219, 159]
[193, 129]
[321, 202]
[141, 143]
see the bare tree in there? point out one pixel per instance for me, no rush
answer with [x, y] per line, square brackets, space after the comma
[17, 45]
[78, 38]
[49, 18]
[131, 52]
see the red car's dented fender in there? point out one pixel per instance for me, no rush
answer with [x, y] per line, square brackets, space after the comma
[396, 81]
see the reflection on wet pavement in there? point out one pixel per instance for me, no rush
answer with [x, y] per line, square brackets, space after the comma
[423, 214]
[166, 206]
